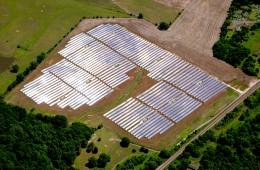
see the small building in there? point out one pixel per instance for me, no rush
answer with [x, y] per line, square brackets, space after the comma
[238, 29]
[256, 6]
[235, 16]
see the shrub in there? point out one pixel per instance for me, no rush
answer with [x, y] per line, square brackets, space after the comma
[125, 142]
[92, 162]
[102, 160]
[15, 68]
[140, 16]
[163, 26]
[95, 150]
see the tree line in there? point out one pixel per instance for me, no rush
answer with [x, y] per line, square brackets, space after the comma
[35, 141]
[230, 49]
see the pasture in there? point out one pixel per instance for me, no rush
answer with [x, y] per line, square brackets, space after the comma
[152, 10]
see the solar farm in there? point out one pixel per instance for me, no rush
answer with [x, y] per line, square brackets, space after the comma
[97, 61]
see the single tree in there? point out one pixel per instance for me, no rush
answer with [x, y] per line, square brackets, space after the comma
[140, 16]
[15, 68]
[163, 26]
[125, 142]
[92, 162]
[95, 150]
[102, 160]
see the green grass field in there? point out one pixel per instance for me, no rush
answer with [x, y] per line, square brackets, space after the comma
[153, 11]
[110, 144]
[37, 25]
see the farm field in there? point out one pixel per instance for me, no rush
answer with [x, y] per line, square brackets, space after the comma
[152, 11]
[198, 27]
[41, 26]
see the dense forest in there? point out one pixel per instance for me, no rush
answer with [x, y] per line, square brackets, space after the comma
[230, 48]
[34, 141]
[233, 143]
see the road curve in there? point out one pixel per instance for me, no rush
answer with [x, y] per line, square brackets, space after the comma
[221, 115]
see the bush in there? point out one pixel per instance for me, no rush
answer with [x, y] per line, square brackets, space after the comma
[163, 26]
[90, 147]
[164, 154]
[125, 142]
[143, 149]
[140, 16]
[100, 126]
[92, 162]
[102, 160]
[99, 139]
[95, 150]
[15, 68]
[133, 151]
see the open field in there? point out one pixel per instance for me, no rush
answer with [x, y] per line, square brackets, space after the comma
[199, 25]
[110, 144]
[153, 11]
[41, 26]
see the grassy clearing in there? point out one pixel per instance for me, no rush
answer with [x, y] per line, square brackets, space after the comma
[238, 85]
[41, 25]
[153, 11]
[253, 42]
[109, 144]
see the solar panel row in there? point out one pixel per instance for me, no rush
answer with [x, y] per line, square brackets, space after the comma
[169, 101]
[138, 119]
[89, 72]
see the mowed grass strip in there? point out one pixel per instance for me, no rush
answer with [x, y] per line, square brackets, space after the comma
[153, 11]
[37, 26]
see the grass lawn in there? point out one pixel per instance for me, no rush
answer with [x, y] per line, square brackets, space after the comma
[37, 25]
[153, 11]
[253, 43]
[110, 144]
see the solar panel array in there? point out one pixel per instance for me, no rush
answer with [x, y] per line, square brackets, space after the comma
[97, 61]
[161, 64]
[169, 101]
[182, 88]
[89, 72]
[138, 119]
